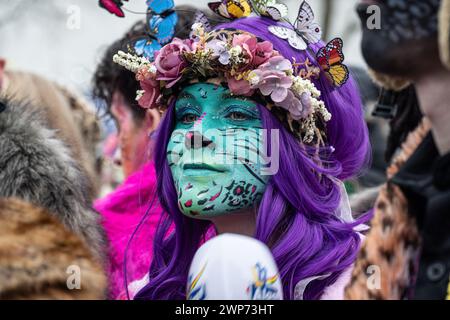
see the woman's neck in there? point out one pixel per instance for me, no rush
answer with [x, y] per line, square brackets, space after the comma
[241, 222]
[433, 91]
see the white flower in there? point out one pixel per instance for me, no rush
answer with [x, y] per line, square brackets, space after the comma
[197, 29]
[235, 51]
[139, 94]
[300, 85]
[129, 61]
[152, 69]
[198, 26]
[253, 78]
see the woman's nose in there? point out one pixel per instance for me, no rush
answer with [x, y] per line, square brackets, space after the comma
[195, 140]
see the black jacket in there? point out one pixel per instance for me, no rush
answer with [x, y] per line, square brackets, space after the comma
[425, 181]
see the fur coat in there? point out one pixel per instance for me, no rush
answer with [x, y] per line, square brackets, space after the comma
[64, 111]
[393, 241]
[37, 167]
[39, 257]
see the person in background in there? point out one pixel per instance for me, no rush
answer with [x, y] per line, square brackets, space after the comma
[47, 225]
[116, 89]
[281, 207]
[409, 242]
[48, 139]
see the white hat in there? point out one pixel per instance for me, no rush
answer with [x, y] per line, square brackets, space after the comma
[234, 267]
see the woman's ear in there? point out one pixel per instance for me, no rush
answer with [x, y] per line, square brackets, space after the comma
[444, 32]
[152, 120]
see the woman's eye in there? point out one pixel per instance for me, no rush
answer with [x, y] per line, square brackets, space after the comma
[189, 118]
[237, 116]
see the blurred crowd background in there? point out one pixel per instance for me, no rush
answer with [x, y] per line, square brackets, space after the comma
[64, 40]
[70, 56]
[75, 168]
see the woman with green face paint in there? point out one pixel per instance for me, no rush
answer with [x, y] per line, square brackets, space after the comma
[211, 151]
[256, 140]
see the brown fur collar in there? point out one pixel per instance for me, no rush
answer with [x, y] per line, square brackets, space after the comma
[36, 251]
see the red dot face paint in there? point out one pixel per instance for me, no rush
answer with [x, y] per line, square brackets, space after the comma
[214, 197]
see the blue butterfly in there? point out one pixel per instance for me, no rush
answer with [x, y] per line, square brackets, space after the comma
[160, 6]
[161, 23]
[162, 27]
[146, 47]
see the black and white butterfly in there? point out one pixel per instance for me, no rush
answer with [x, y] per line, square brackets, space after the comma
[305, 31]
[270, 8]
[200, 17]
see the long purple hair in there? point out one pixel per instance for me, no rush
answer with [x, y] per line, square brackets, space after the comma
[296, 217]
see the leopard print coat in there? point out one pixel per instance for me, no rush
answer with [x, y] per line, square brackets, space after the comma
[392, 244]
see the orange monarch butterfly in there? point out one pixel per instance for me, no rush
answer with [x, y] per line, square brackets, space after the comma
[330, 59]
[231, 9]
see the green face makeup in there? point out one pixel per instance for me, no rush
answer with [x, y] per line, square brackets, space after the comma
[215, 152]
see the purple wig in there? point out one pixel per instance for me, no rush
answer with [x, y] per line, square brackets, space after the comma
[296, 217]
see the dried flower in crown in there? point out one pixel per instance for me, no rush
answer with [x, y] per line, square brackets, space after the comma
[248, 65]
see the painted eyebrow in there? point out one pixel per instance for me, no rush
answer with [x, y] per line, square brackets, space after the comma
[229, 95]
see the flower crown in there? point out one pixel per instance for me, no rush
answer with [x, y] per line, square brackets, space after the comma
[249, 66]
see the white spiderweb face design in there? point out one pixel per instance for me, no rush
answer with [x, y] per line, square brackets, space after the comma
[216, 152]
[238, 182]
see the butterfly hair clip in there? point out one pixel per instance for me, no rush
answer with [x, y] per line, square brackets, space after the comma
[113, 7]
[304, 32]
[270, 8]
[235, 9]
[200, 26]
[330, 59]
[161, 22]
[231, 9]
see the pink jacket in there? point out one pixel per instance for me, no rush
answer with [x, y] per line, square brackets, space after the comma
[122, 211]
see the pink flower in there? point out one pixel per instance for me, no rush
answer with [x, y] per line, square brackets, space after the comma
[248, 43]
[151, 93]
[264, 50]
[298, 108]
[272, 83]
[276, 63]
[240, 87]
[145, 73]
[305, 98]
[271, 78]
[170, 62]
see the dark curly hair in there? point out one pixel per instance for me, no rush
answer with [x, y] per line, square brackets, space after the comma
[110, 77]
